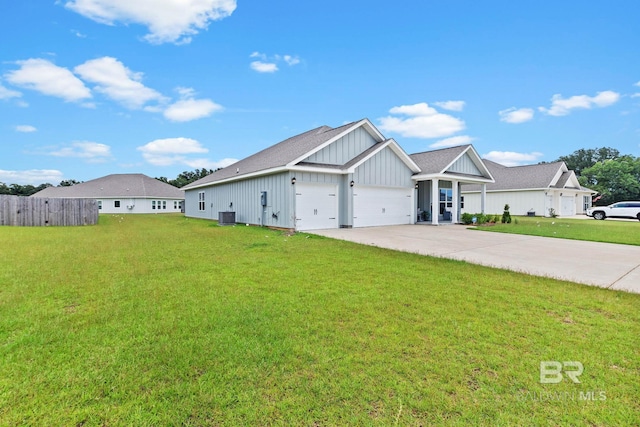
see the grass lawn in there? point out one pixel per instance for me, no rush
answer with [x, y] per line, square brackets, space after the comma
[162, 320]
[624, 232]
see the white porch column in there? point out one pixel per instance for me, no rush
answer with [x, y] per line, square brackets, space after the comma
[483, 197]
[455, 203]
[435, 201]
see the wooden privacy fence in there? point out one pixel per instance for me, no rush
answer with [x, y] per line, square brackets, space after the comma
[35, 211]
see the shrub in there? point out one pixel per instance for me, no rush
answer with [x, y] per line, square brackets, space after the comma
[467, 218]
[506, 216]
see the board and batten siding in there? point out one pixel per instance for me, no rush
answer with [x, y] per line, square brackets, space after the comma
[344, 149]
[465, 165]
[384, 169]
[243, 198]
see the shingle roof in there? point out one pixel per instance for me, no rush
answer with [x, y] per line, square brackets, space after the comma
[132, 185]
[562, 181]
[277, 155]
[518, 177]
[435, 161]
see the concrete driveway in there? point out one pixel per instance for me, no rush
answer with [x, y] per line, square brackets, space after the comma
[601, 264]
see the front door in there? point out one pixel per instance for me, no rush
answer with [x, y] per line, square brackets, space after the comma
[445, 204]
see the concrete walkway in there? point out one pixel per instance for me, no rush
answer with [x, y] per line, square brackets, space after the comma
[601, 264]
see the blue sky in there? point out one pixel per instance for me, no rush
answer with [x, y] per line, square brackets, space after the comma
[93, 87]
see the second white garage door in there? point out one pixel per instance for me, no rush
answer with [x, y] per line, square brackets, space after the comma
[316, 206]
[374, 206]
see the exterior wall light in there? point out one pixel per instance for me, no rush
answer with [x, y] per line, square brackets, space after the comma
[351, 184]
[293, 180]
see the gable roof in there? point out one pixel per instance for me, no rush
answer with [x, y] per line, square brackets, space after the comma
[278, 155]
[131, 185]
[527, 177]
[290, 154]
[437, 163]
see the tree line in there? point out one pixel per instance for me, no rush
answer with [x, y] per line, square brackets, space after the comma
[614, 176]
[187, 177]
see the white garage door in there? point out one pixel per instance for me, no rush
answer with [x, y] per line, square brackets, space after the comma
[567, 205]
[316, 206]
[382, 206]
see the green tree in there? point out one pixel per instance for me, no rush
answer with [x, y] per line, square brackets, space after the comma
[68, 183]
[187, 177]
[616, 179]
[582, 159]
[4, 188]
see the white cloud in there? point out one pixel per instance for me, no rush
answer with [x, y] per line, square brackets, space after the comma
[171, 151]
[173, 146]
[452, 142]
[209, 164]
[451, 105]
[561, 106]
[191, 109]
[637, 84]
[117, 82]
[168, 21]
[264, 67]
[188, 108]
[31, 177]
[93, 152]
[636, 95]
[269, 64]
[291, 60]
[510, 158]
[49, 79]
[8, 93]
[25, 128]
[516, 115]
[423, 122]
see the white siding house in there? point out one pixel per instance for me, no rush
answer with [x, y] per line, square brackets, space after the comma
[123, 194]
[530, 190]
[349, 176]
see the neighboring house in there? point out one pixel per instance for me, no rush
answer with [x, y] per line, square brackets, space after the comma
[123, 193]
[349, 176]
[531, 189]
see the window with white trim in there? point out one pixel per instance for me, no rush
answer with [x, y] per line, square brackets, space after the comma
[116, 203]
[201, 200]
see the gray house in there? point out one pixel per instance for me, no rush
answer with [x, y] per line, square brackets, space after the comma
[123, 193]
[349, 176]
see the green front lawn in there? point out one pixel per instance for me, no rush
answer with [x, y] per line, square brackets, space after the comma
[162, 320]
[610, 231]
